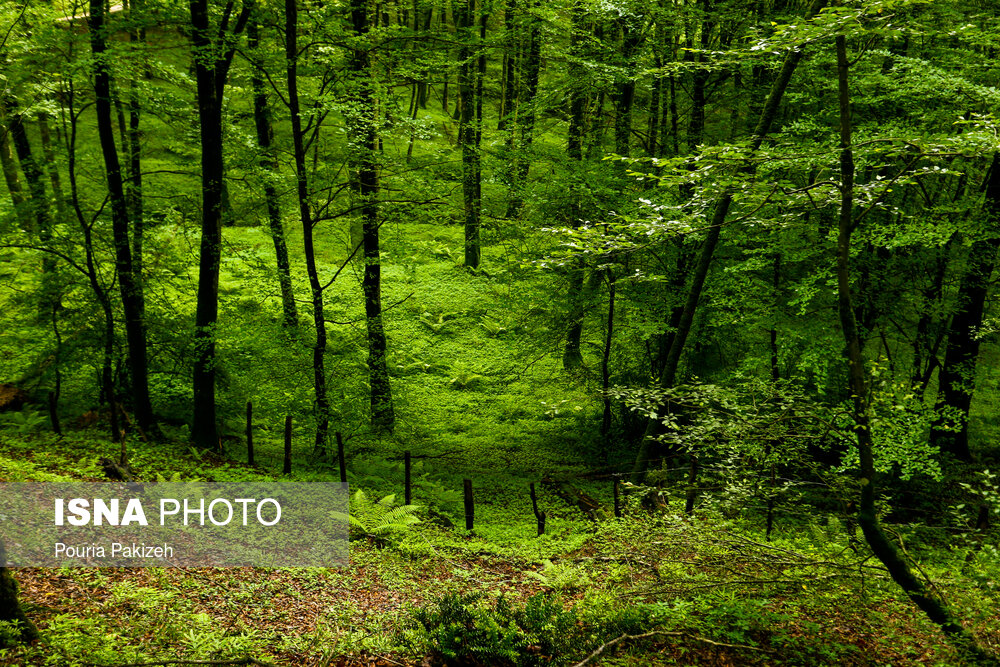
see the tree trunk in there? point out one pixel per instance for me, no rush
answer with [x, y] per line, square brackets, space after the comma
[269, 163]
[468, 131]
[522, 163]
[11, 176]
[884, 550]
[130, 289]
[606, 363]
[55, 180]
[211, 73]
[305, 217]
[38, 203]
[383, 416]
[107, 389]
[646, 453]
[572, 356]
[957, 377]
[625, 90]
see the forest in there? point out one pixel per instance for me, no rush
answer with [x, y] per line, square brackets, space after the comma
[644, 332]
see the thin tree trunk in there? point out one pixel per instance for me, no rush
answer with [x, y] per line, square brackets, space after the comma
[305, 217]
[606, 363]
[511, 66]
[881, 546]
[522, 163]
[383, 416]
[468, 130]
[107, 389]
[135, 328]
[55, 180]
[133, 190]
[572, 356]
[269, 163]
[647, 448]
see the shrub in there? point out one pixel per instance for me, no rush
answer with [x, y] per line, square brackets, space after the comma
[460, 631]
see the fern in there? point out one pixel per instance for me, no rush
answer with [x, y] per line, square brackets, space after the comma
[378, 519]
[560, 576]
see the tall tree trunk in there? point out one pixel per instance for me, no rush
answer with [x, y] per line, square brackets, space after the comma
[522, 163]
[365, 128]
[468, 130]
[135, 327]
[211, 73]
[625, 90]
[957, 377]
[572, 356]
[511, 66]
[647, 447]
[918, 592]
[305, 217]
[269, 163]
[107, 389]
[133, 190]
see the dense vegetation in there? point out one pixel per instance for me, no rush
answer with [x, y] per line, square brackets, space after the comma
[716, 277]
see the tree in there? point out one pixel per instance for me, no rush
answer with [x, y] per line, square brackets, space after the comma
[925, 598]
[269, 165]
[365, 151]
[213, 56]
[130, 288]
[469, 128]
[718, 220]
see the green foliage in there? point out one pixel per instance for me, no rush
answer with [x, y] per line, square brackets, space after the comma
[24, 421]
[378, 519]
[561, 576]
[460, 629]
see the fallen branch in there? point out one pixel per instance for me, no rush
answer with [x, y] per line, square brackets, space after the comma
[661, 633]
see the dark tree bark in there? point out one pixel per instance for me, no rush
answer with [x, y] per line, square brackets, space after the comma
[511, 66]
[38, 203]
[918, 592]
[469, 130]
[305, 217]
[531, 69]
[365, 130]
[10, 606]
[957, 376]
[133, 190]
[269, 163]
[646, 453]
[606, 363]
[130, 289]
[212, 59]
[625, 90]
[107, 389]
[572, 356]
